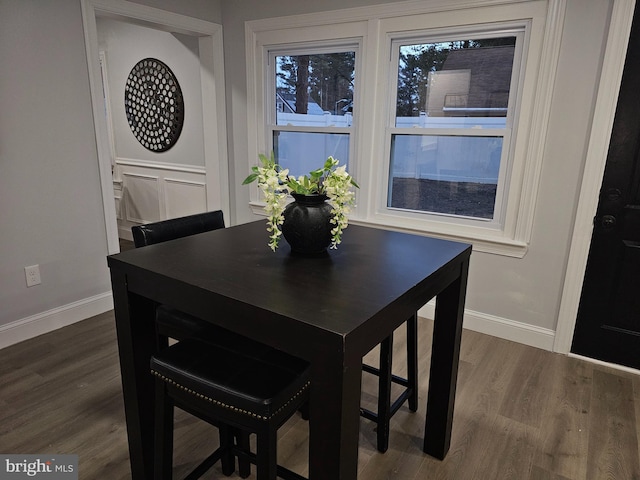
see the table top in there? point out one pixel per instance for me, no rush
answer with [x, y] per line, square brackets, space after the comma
[373, 272]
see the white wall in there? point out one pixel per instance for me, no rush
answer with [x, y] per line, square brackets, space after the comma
[208, 10]
[125, 44]
[517, 298]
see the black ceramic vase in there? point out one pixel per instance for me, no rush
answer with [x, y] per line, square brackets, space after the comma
[307, 226]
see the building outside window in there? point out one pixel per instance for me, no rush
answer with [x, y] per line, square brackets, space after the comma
[449, 138]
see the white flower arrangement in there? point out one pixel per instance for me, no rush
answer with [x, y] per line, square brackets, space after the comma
[275, 183]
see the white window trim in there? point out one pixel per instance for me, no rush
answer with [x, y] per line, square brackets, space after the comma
[270, 108]
[373, 26]
[518, 29]
[265, 36]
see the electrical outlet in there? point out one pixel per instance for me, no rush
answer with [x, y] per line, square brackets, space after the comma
[33, 275]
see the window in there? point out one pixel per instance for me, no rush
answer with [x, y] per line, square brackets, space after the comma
[449, 138]
[438, 108]
[312, 114]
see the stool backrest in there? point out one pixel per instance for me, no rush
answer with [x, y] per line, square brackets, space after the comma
[173, 228]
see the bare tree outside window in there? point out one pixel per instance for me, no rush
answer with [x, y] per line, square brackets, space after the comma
[313, 113]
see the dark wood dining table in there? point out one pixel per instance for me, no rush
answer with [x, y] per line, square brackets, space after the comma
[330, 310]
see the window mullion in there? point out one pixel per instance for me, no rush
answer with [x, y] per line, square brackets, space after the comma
[296, 128]
[450, 132]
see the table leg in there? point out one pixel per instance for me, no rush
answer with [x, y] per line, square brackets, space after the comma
[135, 318]
[412, 360]
[334, 419]
[445, 355]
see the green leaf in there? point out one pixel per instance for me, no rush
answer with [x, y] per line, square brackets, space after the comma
[329, 163]
[250, 178]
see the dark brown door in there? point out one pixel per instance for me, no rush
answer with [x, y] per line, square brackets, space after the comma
[608, 323]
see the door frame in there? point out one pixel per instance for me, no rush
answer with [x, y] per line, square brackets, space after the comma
[601, 129]
[213, 97]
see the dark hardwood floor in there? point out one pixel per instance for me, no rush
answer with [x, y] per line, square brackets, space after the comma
[521, 413]
[126, 244]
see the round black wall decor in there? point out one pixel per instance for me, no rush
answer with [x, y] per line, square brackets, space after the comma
[154, 105]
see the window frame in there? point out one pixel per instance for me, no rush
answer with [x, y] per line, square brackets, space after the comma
[299, 33]
[374, 28]
[507, 134]
[270, 86]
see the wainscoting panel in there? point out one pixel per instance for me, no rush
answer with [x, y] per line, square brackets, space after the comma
[148, 192]
[184, 197]
[141, 194]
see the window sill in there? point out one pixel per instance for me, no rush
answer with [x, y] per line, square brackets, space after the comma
[486, 243]
[481, 243]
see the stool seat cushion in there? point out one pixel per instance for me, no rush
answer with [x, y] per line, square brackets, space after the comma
[258, 382]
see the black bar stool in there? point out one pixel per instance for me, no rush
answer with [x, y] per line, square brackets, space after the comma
[157, 232]
[255, 391]
[386, 409]
[171, 323]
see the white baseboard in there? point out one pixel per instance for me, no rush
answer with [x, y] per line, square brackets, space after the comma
[501, 327]
[50, 320]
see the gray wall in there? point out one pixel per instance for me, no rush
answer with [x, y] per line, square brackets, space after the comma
[525, 291]
[50, 200]
[51, 208]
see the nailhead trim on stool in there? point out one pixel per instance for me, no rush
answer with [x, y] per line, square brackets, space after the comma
[239, 391]
[224, 405]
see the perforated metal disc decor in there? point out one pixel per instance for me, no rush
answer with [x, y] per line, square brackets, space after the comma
[154, 105]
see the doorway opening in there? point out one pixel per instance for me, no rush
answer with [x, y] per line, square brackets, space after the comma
[209, 39]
